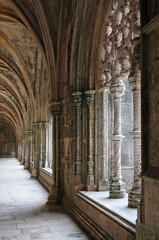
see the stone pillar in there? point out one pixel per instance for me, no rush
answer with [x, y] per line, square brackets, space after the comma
[41, 143]
[135, 82]
[90, 101]
[23, 150]
[35, 151]
[31, 145]
[27, 153]
[55, 195]
[77, 100]
[135, 192]
[46, 144]
[117, 186]
[20, 149]
[102, 138]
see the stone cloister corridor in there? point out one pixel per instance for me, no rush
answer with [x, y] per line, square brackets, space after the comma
[24, 214]
[79, 110]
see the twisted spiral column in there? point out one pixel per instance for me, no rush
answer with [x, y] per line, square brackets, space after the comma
[117, 186]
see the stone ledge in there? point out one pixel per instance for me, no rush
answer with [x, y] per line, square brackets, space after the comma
[124, 222]
[88, 224]
[102, 223]
[45, 178]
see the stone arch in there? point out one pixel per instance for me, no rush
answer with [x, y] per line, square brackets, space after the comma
[7, 141]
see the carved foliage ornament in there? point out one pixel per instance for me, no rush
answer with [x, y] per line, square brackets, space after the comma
[77, 98]
[122, 26]
[90, 97]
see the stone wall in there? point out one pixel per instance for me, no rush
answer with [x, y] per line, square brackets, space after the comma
[7, 141]
[148, 210]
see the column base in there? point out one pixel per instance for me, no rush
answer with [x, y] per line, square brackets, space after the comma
[117, 189]
[134, 195]
[90, 183]
[34, 174]
[26, 167]
[103, 185]
[55, 196]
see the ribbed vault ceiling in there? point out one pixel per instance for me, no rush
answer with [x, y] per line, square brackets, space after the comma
[23, 38]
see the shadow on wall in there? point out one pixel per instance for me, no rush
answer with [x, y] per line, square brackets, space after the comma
[7, 141]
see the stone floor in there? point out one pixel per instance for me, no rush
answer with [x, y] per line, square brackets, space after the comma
[23, 212]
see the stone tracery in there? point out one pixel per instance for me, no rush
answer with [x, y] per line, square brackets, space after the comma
[118, 60]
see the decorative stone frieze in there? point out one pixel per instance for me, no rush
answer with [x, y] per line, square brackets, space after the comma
[77, 100]
[90, 101]
[117, 186]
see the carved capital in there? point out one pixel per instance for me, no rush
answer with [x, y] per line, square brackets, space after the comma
[77, 98]
[90, 97]
[28, 133]
[23, 136]
[41, 125]
[46, 125]
[55, 108]
[35, 125]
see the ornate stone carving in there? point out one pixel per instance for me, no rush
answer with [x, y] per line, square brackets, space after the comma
[90, 101]
[121, 27]
[77, 98]
[28, 133]
[135, 81]
[117, 187]
[90, 97]
[55, 108]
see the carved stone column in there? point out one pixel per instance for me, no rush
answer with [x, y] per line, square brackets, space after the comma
[135, 82]
[27, 153]
[20, 149]
[46, 144]
[35, 151]
[31, 145]
[41, 142]
[117, 187]
[55, 189]
[23, 150]
[90, 101]
[77, 100]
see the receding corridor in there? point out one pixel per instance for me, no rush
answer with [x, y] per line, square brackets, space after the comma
[24, 214]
